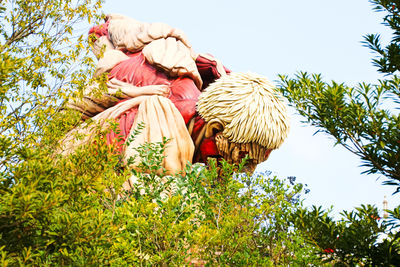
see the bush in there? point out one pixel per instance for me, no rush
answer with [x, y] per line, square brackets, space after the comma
[73, 211]
[360, 238]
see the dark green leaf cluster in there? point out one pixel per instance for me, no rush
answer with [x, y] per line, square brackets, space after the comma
[365, 120]
[52, 209]
[361, 237]
[388, 58]
[354, 117]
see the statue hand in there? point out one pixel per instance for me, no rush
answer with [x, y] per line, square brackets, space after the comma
[116, 87]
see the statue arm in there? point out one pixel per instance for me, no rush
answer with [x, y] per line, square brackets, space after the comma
[94, 102]
[125, 90]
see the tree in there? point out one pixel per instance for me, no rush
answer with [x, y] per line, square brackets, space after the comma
[43, 58]
[73, 211]
[363, 119]
[360, 237]
[388, 58]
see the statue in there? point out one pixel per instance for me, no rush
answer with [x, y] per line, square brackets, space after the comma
[155, 77]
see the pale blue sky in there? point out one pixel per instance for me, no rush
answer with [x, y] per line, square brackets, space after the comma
[282, 37]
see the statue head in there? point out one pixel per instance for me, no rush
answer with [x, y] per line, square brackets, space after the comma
[246, 115]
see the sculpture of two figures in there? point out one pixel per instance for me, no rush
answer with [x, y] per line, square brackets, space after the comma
[155, 78]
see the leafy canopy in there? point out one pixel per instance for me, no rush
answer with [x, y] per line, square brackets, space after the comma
[364, 119]
[43, 58]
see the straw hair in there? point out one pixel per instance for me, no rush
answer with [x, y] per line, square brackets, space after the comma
[248, 107]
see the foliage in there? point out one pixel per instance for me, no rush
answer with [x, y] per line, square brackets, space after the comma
[73, 210]
[208, 215]
[388, 58]
[361, 237]
[43, 58]
[45, 202]
[365, 120]
[353, 116]
[54, 211]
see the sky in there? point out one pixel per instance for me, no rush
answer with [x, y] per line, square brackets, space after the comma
[284, 37]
